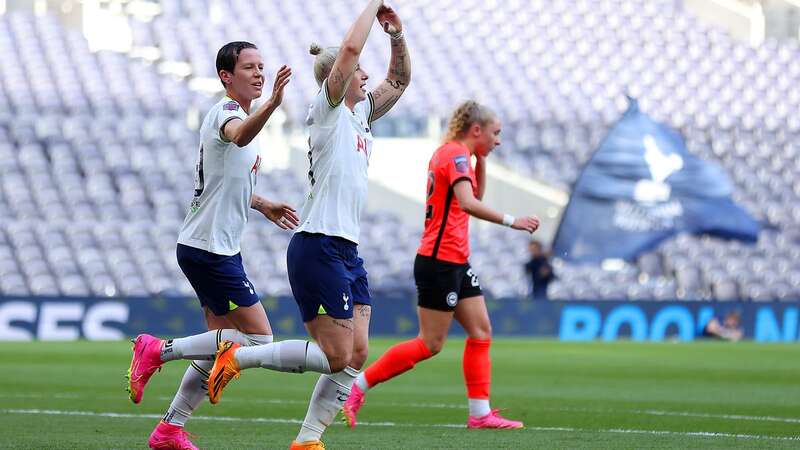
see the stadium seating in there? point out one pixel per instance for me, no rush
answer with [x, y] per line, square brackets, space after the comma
[96, 158]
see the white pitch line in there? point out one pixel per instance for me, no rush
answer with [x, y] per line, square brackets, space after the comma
[656, 412]
[703, 434]
[651, 412]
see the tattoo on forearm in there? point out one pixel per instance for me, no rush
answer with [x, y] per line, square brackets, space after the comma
[397, 84]
[257, 203]
[384, 106]
[398, 45]
[399, 66]
[385, 97]
[379, 92]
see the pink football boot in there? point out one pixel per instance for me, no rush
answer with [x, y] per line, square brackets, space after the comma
[493, 420]
[146, 360]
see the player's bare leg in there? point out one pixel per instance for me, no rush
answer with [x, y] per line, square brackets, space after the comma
[360, 353]
[336, 338]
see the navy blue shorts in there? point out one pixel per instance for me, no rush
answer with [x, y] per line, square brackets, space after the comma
[326, 275]
[218, 280]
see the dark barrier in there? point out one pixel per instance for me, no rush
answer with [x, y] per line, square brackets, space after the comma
[30, 318]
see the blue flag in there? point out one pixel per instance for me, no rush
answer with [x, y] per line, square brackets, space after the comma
[642, 186]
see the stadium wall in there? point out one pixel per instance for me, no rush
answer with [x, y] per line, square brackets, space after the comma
[64, 319]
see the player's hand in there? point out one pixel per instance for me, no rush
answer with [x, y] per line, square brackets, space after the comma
[389, 20]
[281, 80]
[529, 224]
[282, 215]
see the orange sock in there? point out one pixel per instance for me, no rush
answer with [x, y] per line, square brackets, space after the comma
[477, 368]
[398, 359]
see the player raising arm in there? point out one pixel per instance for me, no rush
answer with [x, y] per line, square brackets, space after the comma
[208, 249]
[326, 274]
[447, 286]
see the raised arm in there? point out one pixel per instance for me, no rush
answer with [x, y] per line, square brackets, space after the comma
[242, 132]
[476, 208]
[399, 76]
[349, 52]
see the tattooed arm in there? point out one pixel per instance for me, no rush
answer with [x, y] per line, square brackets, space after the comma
[349, 52]
[399, 76]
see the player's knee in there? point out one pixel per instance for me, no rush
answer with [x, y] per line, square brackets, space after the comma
[434, 345]
[259, 339]
[244, 339]
[339, 360]
[359, 358]
[337, 364]
[482, 332]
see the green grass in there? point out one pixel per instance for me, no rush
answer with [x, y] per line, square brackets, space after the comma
[570, 395]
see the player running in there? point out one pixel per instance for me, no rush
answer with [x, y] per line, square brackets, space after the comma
[446, 284]
[208, 248]
[326, 275]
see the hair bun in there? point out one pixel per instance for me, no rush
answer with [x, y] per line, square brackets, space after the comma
[315, 49]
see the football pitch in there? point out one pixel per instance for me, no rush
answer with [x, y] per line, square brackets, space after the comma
[570, 395]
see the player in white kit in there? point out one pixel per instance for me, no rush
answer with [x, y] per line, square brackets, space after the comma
[327, 277]
[209, 245]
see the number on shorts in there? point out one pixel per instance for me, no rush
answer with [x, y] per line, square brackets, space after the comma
[473, 278]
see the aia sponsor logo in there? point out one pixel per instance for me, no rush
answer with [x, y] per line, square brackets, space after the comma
[256, 165]
[361, 146]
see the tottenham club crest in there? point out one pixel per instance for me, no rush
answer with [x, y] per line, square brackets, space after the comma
[452, 299]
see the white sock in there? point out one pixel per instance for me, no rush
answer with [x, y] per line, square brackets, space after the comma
[204, 346]
[285, 356]
[479, 407]
[192, 391]
[361, 381]
[194, 385]
[328, 397]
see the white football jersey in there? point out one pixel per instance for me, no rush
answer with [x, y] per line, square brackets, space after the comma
[225, 177]
[340, 145]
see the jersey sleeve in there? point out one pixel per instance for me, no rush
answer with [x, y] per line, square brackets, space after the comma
[369, 108]
[364, 109]
[229, 111]
[322, 110]
[457, 168]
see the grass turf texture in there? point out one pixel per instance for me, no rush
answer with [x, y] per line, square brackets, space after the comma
[570, 395]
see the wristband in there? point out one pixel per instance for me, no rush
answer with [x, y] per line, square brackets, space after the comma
[397, 36]
[508, 220]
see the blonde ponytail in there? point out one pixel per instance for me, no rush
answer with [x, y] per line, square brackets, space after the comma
[467, 114]
[323, 61]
